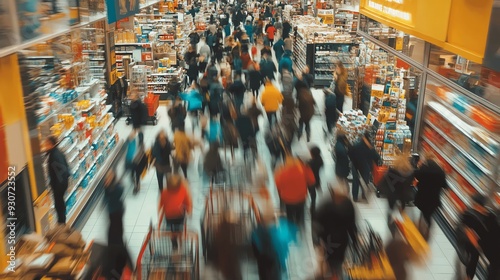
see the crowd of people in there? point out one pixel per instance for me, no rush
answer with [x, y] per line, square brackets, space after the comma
[238, 71]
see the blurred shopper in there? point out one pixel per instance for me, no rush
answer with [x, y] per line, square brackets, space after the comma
[161, 154]
[59, 176]
[331, 113]
[138, 111]
[363, 156]
[271, 100]
[334, 224]
[118, 256]
[267, 66]
[286, 62]
[183, 146]
[316, 164]
[212, 164]
[214, 133]
[287, 28]
[254, 113]
[237, 89]
[249, 30]
[287, 84]
[204, 56]
[270, 33]
[306, 109]
[177, 114]
[478, 232]
[341, 88]
[342, 169]
[398, 180]
[175, 204]
[191, 60]
[255, 78]
[139, 162]
[216, 90]
[431, 180]
[194, 101]
[131, 145]
[279, 49]
[292, 181]
[247, 133]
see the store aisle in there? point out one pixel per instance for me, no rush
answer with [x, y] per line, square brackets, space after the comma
[141, 209]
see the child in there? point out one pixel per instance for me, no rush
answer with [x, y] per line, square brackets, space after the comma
[315, 163]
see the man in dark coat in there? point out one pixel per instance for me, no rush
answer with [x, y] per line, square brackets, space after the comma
[247, 134]
[342, 169]
[138, 111]
[267, 67]
[287, 28]
[279, 49]
[306, 109]
[237, 89]
[334, 223]
[177, 115]
[363, 156]
[431, 181]
[331, 114]
[58, 175]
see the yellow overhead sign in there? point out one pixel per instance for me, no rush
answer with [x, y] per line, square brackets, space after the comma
[459, 26]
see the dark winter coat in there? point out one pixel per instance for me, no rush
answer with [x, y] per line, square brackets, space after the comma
[58, 170]
[245, 128]
[286, 29]
[342, 160]
[216, 90]
[177, 116]
[161, 155]
[213, 162]
[113, 198]
[331, 108]
[363, 157]
[255, 79]
[279, 49]
[306, 104]
[431, 180]
[316, 163]
[139, 113]
[267, 68]
[286, 62]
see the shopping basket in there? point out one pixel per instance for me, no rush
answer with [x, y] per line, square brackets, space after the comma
[243, 215]
[159, 260]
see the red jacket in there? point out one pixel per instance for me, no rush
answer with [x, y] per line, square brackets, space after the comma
[270, 32]
[175, 204]
[292, 181]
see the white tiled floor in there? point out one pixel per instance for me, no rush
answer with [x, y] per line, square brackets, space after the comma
[141, 209]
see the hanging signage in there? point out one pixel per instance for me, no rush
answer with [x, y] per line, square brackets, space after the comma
[400, 10]
[326, 16]
[120, 9]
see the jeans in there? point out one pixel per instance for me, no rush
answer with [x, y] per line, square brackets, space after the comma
[295, 213]
[271, 117]
[175, 225]
[183, 167]
[312, 193]
[356, 182]
[308, 128]
[159, 176]
[60, 205]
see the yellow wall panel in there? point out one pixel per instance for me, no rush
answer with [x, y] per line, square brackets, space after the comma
[11, 94]
[468, 27]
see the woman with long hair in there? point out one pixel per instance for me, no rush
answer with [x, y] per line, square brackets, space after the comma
[398, 180]
[341, 88]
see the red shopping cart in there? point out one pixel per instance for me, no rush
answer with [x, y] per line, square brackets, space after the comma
[152, 101]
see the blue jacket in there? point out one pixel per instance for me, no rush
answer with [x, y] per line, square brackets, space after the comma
[131, 150]
[279, 49]
[249, 30]
[286, 62]
[193, 98]
[215, 132]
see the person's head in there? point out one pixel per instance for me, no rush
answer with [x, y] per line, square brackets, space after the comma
[190, 48]
[237, 74]
[339, 68]
[174, 182]
[402, 164]
[134, 95]
[50, 142]
[162, 137]
[110, 178]
[315, 152]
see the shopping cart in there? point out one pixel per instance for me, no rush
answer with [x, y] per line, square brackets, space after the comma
[152, 102]
[159, 260]
[236, 206]
[368, 260]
